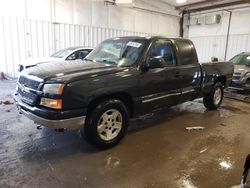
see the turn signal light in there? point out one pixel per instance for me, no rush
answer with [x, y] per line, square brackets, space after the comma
[51, 103]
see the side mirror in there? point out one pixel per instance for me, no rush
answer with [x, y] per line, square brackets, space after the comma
[20, 68]
[155, 62]
[214, 59]
[168, 57]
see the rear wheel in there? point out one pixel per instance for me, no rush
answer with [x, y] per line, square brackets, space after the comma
[106, 124]
[214, 99]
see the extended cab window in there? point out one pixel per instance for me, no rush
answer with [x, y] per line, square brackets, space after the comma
[163, 48]
[187, 52]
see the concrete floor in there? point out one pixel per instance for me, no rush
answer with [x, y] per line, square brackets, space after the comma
[157, 151]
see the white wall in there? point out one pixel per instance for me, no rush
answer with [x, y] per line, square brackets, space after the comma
[210, 40]
[38, 28]
[96, 13]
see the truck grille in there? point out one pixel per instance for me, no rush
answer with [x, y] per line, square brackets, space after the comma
[27, 89]
[33, 84]
[237, 76]
[237, 85]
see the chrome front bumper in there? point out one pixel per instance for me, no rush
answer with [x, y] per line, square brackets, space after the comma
[70, 123]
[236, 88]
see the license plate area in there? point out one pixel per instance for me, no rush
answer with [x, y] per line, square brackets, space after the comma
[28, 97]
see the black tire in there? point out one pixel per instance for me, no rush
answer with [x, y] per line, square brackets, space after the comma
[209, 99]
[246, 169]
[247, 163]
[90, 131]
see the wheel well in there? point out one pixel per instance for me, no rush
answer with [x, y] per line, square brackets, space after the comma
[222, 80]
[124, 97]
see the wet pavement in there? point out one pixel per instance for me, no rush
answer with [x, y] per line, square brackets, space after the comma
[238, 95]
[158, 151]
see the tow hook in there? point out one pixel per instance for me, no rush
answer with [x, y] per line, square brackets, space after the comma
[39, 127]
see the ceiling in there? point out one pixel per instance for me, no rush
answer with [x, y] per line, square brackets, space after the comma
[201, 5]
[173, 2]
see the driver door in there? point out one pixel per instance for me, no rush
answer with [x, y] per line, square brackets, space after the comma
[160, 87]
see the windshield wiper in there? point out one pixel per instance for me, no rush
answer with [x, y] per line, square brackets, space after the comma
[107, 62]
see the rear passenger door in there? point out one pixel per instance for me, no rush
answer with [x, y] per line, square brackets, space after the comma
[161, 86]
[190, 71]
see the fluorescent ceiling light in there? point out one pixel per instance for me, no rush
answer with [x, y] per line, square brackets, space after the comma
[181, 1]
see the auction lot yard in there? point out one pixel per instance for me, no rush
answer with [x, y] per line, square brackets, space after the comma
[158, 151]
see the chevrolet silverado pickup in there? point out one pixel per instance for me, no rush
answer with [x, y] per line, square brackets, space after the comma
[120, 79]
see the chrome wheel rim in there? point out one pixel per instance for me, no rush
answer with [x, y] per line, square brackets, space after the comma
[217, 96]
[109, 124]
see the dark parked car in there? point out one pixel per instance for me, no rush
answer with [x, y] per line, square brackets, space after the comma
[121, 78]
[241, 76]
[72, 53]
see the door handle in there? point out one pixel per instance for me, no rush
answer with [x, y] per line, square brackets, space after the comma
[177, 74]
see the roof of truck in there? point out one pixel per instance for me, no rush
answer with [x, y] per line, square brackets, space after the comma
[78, 47]
[148, 37]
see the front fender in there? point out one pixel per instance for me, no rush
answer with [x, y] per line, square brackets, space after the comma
[79, 94]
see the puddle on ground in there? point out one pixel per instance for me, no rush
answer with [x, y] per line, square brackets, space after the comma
[112, 162]
[185, 182]
[192, 106]
[225, 164]
[227, 111]
[231, 108]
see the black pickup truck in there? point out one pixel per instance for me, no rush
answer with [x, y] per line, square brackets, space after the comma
[122, 78]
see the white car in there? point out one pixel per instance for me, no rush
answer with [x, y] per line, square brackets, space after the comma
[72, 53]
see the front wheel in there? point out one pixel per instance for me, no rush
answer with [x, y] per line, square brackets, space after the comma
[106, 124]
[214, 99]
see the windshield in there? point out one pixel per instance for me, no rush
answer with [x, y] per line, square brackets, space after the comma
[62, 53]
[120, 52]
[240, 59]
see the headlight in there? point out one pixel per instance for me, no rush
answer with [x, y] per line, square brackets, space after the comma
[51, 103]
[56, 89]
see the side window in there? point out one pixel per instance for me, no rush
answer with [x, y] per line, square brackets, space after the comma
[81, 54]
[72, 56]
[163, 48]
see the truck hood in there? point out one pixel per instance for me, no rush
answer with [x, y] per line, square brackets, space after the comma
[31, 62]
[68, 71]
[241, 69]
